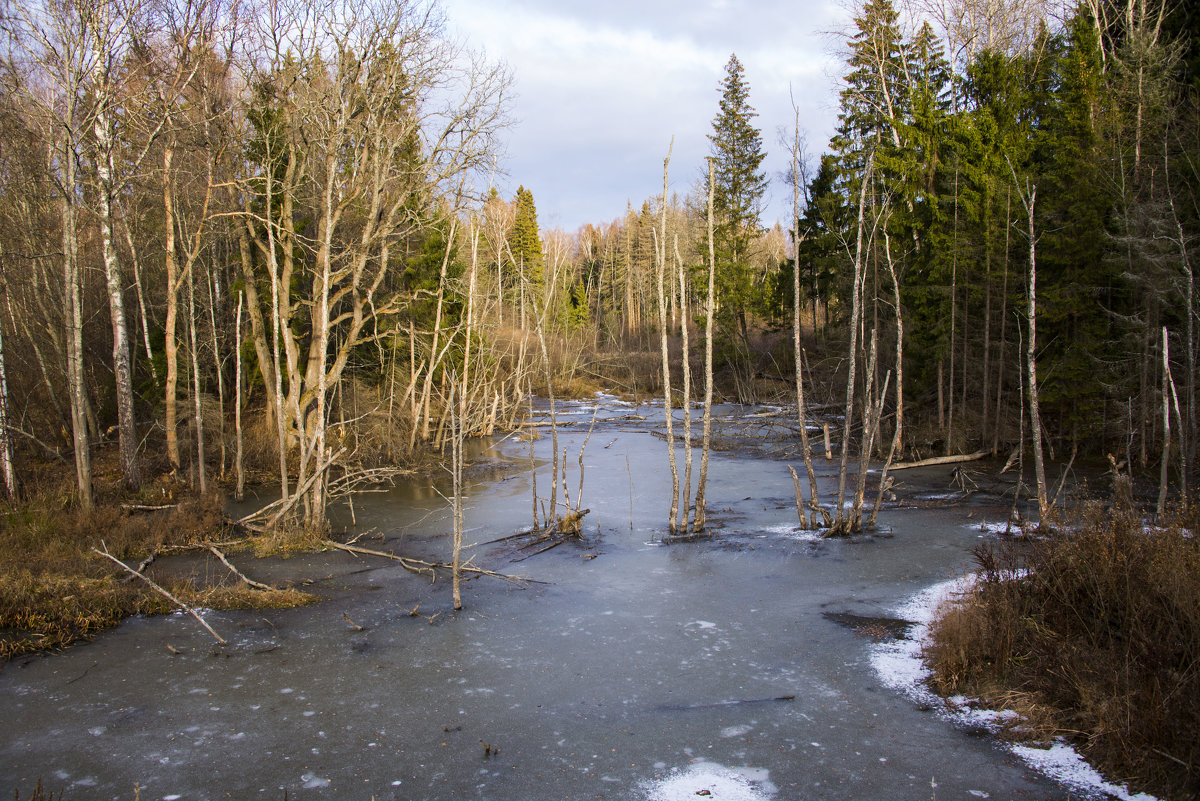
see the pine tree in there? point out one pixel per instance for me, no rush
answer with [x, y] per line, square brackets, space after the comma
[739, 186]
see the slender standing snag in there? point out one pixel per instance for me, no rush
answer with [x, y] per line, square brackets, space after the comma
[240, 489]
[660, 256]
[456, 462]
[1029, 201]
[1166, 418]
[798, 354]
[6, 454]
[840, 523]
[687, 390]
[710, 312]
[898, 431]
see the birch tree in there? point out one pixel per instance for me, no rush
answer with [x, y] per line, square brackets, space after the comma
[379, 117]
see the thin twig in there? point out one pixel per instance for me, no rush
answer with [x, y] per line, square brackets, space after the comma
[160, 590]
[258, 585]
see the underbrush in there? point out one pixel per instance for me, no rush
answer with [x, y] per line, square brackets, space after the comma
[54, 590]
[1095, 632]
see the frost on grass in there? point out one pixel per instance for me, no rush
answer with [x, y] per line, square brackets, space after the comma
[713, 782]
[900, 667]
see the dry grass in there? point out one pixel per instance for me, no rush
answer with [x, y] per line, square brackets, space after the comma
[55, 591]
[1095, 631]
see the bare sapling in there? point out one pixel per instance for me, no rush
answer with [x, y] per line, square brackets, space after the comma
[710, 311]
[539, 327]
[426, 392]
[898, 423]
[840, 525]
[239, 467]
[686, 361]
[7, 466]
[1028, 199]
[1166, 423]
[456, 469]
[660, 257]
[799, 184]
[867, 437]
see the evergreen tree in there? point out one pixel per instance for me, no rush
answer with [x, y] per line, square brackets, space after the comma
[873, 102]
[525, 249]
[1075, 283]
[739, 186]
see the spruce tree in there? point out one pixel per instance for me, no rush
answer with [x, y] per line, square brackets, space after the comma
[738, 188]
[524, 244]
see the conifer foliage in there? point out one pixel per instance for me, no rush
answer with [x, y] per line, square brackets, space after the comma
[739, 187]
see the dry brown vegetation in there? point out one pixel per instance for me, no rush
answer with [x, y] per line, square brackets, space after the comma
[1095, 631]
[55, 591]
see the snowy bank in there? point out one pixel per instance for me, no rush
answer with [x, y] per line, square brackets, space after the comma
[900, 667]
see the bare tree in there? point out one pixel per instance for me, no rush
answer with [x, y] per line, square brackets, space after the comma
[391, 119]
[1028, 197]
[660, 253]
[841, 523]
[799, 180]
[710, 311]
[57, 65]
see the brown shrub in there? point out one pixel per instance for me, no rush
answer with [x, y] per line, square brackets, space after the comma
[1099, 622]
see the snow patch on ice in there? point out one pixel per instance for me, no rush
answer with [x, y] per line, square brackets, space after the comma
[794, 533]
[713, 782]
[900, 667]
[1063, 763]
[313, 782]
[1000, 527]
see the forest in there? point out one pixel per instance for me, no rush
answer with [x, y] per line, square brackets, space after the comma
[266, 238]
[255, 249]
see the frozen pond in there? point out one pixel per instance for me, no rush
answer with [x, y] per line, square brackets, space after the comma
[727, 669]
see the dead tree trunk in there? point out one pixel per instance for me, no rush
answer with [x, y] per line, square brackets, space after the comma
[660, 255]
[710, 312]
[1166, 423]
[855, 315]
[6, 452]
[797, 351]
[1029, 200]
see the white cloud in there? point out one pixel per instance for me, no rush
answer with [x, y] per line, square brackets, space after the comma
[602, 88]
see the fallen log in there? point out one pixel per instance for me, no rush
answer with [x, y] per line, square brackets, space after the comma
[935, 460]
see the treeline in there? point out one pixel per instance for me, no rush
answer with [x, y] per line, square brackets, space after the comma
[1012, 225]
[1043, 184]
[283, 207]
[216, 206]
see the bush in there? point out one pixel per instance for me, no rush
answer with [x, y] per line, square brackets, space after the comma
[1098, 623]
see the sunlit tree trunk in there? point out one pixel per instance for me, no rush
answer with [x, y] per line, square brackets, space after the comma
[170, 344]
[840, 521]
[7, 467]
[122, 367]
[660, 252]
[710, 312]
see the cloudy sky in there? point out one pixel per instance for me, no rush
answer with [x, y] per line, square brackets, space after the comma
[603, 85]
